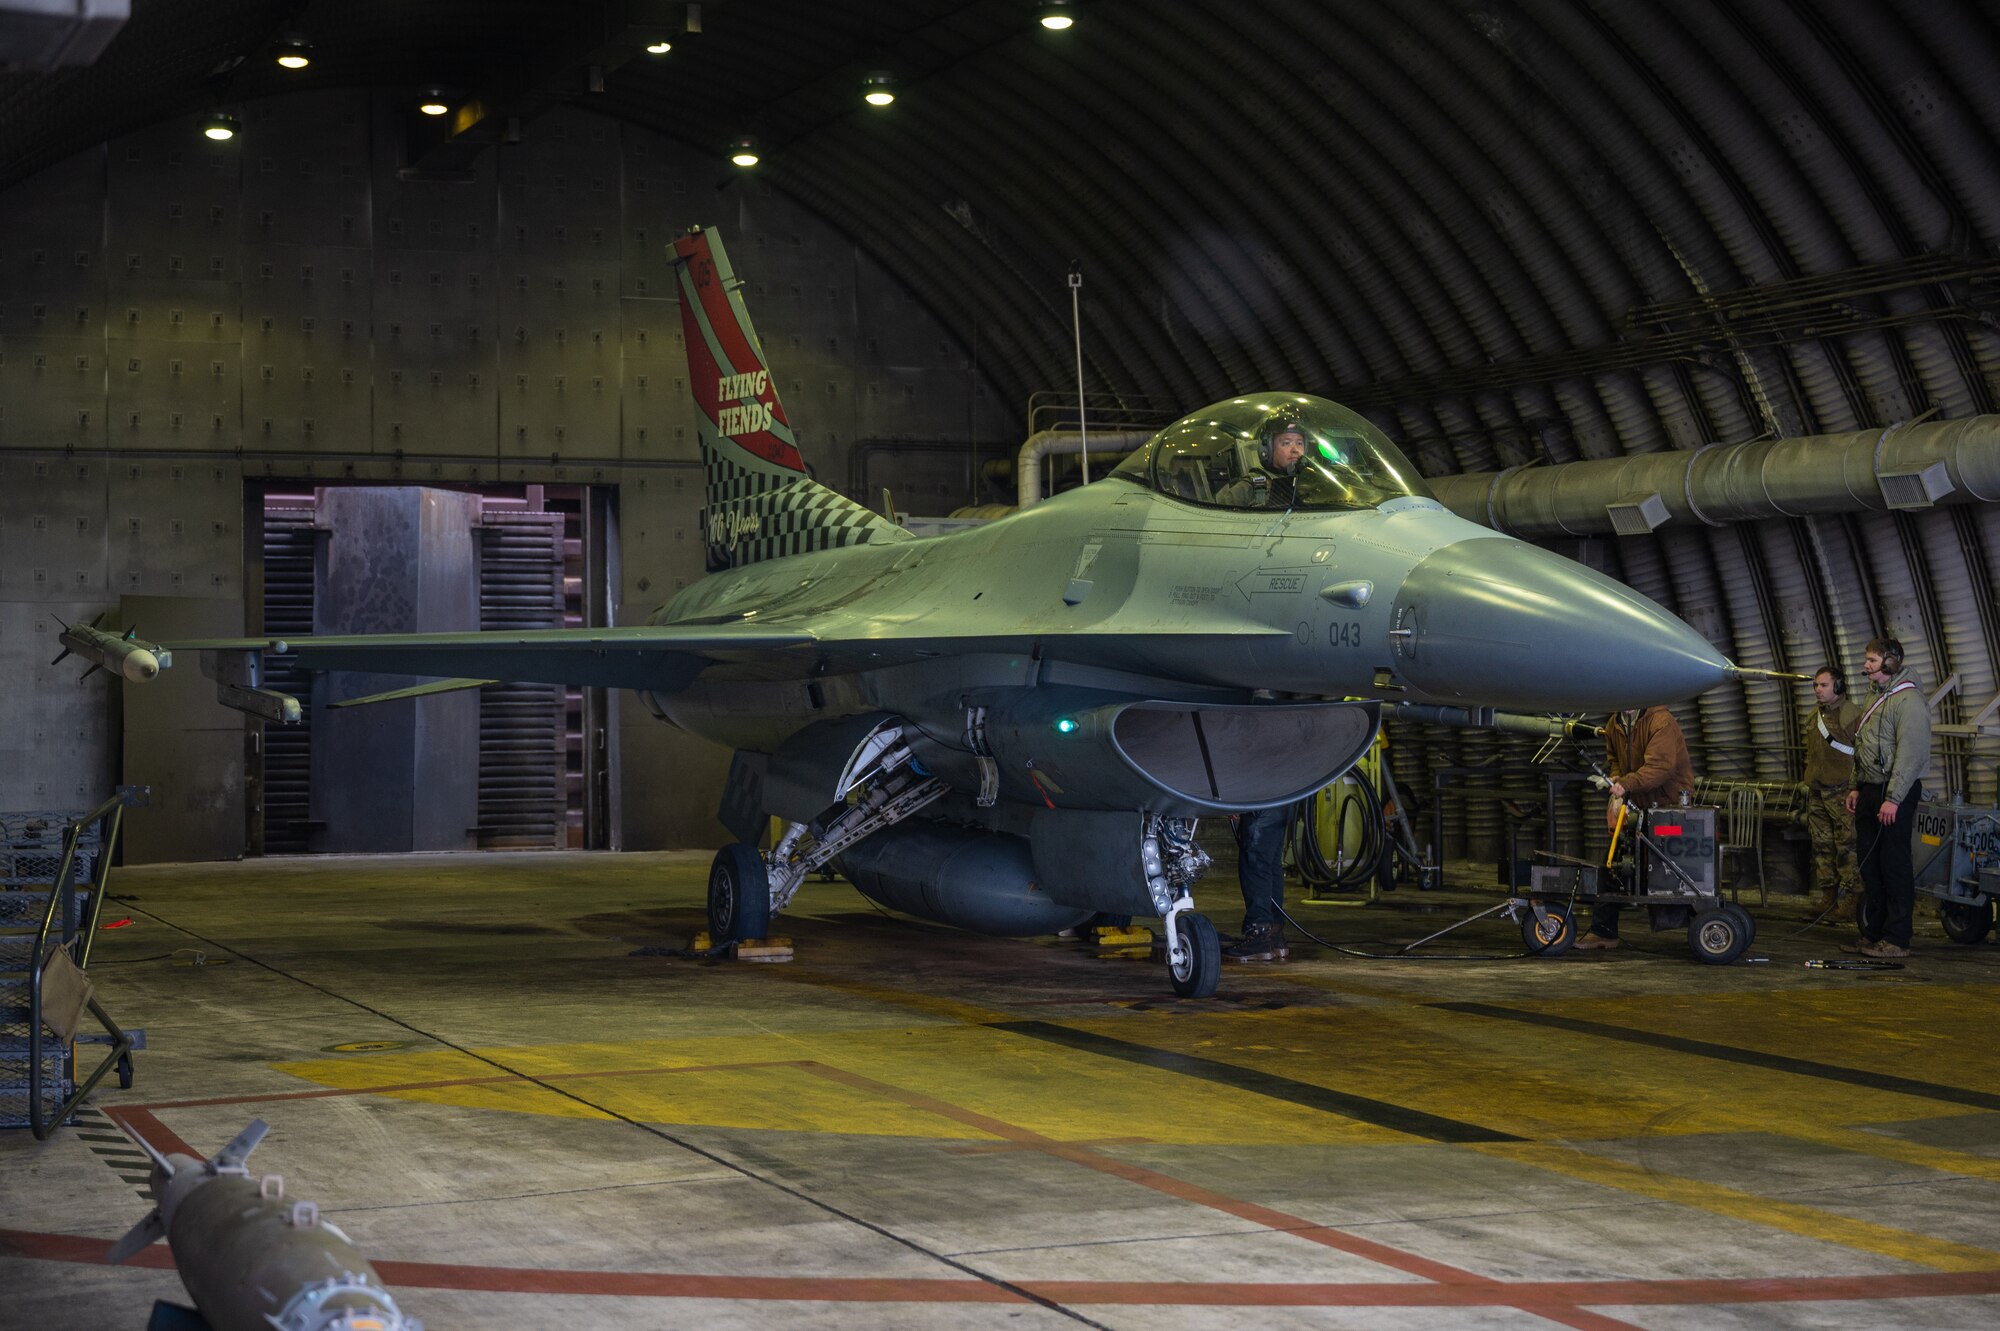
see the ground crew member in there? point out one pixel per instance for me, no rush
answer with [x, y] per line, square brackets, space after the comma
[1892, 747]
[1260, 873]
[1828, 776]
[1650, 768]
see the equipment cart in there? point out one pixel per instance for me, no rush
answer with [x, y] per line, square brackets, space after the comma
[1670, 867]
[1955, 850]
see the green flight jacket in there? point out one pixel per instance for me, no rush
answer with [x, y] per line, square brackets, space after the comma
[1894, 745]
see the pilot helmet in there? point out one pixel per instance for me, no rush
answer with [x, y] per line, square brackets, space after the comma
[1276, 426]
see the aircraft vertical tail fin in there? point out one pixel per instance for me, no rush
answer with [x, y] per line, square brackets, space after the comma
[761, 503]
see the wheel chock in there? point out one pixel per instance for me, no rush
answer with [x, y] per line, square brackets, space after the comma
[751, 949]
[1106, 935]
[764, 949]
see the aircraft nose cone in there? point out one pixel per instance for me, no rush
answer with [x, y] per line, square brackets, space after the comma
[1497, 621]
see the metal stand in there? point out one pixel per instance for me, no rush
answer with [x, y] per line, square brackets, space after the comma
[75, 937]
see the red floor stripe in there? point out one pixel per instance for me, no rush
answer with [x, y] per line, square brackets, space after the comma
[1543, 1298]
[162, 1138]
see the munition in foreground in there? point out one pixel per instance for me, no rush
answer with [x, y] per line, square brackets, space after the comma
[252, 1260]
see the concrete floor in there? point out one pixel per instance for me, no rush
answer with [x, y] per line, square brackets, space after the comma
[525, 1124]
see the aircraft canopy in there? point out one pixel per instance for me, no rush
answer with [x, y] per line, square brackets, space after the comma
[1236, 454]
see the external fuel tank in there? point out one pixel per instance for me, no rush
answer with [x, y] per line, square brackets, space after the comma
[962, 876]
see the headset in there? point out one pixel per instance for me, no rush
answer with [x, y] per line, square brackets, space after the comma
[1891, 652]
[1839, 678]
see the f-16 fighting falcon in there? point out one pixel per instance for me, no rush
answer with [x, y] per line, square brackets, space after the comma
[1013, 727]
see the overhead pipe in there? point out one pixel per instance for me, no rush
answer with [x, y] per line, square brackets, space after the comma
[1044, 443]
[1906, 466]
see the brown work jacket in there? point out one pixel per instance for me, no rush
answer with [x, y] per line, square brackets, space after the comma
[1652, 761]
[1827, 766]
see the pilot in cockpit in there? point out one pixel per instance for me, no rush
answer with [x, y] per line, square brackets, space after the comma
[1269, 483]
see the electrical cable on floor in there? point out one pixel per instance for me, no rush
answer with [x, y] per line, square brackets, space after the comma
[1407, 954]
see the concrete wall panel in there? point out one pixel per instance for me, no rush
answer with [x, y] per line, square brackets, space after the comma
[53, 520]
[55, 755]
[296, 305]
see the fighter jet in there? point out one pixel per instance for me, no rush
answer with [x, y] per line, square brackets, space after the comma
[1013, 727]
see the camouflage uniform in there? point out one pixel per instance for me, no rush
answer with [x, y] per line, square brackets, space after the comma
[1829, 773]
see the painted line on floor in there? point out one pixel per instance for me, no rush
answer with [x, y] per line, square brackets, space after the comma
[1542, 1298]
[1790, 1217]
[1378, 1113]
[1874, 1081]
[1382, 1114]
[1884, 1146]
[391, 1088]
[1382, 1254]
[944, 1009]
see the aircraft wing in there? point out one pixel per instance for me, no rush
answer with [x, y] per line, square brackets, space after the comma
[663, 657]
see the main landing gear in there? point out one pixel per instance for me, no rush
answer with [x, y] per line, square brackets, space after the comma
[747, 887]
[739, 895]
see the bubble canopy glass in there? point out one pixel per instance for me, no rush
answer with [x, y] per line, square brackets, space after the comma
[1221, 456]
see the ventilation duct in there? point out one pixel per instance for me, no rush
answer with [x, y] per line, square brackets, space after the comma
[1028, 464]
[1903, 467]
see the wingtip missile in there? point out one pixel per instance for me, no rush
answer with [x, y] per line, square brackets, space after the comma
[126, 655]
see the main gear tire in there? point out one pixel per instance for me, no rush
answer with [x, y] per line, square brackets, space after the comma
[739, 895]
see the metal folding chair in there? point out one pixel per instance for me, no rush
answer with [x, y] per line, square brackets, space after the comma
[1743, 834]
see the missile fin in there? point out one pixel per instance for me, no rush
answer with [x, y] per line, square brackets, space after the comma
[173, 1317]
[140, 1236]
[233, 1155]
[88, 673]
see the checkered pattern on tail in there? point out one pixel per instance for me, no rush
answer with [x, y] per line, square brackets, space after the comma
[758, 515]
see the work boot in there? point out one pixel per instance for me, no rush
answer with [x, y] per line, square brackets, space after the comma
[1845, 910]
[1260, 942]
[1859, 947]
[1592, 942]
[1885, 951]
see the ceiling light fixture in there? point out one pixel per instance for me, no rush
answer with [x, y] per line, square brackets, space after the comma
[743, 151]
[220, 126]
[294, 52]
[659, 48]
[434, 103]
[878, 89]
[1056, 15]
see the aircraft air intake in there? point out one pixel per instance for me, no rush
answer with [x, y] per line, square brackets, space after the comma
[1058, 748]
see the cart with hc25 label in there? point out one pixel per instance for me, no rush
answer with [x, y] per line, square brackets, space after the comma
[1666, 861]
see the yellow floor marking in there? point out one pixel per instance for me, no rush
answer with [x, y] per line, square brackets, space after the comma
[1919, 1032]
[1791, 1217]
[730, 1081]
[1886, 1147]
[931, 1005]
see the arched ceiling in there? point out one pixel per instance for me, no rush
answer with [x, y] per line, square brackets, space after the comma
[1506, 223]
[1513, 231]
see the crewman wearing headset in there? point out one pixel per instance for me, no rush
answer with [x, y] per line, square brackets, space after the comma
[1281, 446]
[1650, 768]
[1892, 747]
[1828, 740]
